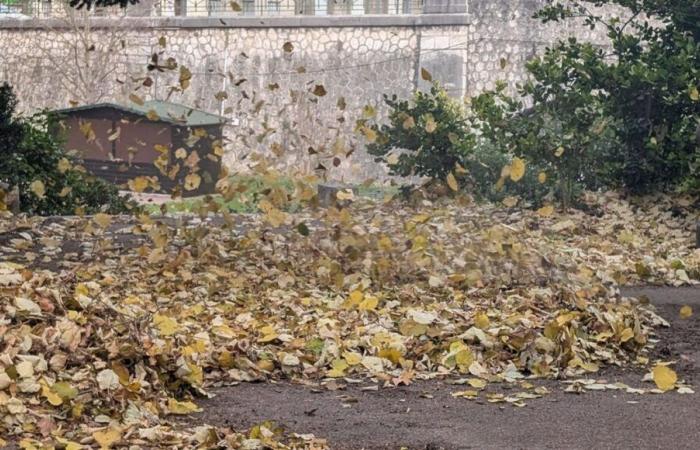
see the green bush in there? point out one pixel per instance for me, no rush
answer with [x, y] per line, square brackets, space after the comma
[643, 89]
[50, 181]
[426, 137]
[624, 117]
[437, 136]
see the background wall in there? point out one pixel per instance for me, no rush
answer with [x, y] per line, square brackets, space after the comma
[295, 84]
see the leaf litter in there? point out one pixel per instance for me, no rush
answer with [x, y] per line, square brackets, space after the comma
[110, 331]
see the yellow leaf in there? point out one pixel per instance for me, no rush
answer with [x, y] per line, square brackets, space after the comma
[65, 191]
[107, 437]
[167, 326]
[136, 99]
[369, 303]
[103, 220]
[558, 152]
[464, 358]
[352, 358]
[275, 217]
[138, 184]
[477, 383]
[370, 134]
[192, 181]
[268, 334]
[466, 394]
[338, 368]
[694, 94]
[517, 169]
[354, 298]
[64, 165]
[664, 377]
[152, 115]
[545, 211]
[686, 312]
[393, 159]
[430, 124]
[626, 335]
[38, 188]
[345, 194]
[460, 169]
[178, 407]
[51, 396]
[482, 321]
[542, 177]
[391, 354]
[510, 201]
[452, 182]
[505, 171]
[409, 123]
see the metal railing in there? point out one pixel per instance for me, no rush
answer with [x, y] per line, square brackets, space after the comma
[222, 8]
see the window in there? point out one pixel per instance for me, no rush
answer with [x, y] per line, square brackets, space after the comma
[273, 7]
[248, 7]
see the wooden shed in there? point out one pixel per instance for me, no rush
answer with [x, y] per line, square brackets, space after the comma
[157, 139]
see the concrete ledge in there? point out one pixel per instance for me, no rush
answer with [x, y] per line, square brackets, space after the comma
[423, 20]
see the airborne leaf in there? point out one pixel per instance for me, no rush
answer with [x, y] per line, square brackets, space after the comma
[452, 182]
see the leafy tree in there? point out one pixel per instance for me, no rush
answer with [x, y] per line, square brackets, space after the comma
[644, 88]
[50, 181]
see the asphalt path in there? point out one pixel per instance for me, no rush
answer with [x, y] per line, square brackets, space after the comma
[424, 415]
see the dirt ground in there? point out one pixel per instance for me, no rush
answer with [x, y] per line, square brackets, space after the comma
[424, 415]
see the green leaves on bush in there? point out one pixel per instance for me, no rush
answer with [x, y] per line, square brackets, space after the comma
[624, 117]
[49, 180]
[643, 89]
[425, 137]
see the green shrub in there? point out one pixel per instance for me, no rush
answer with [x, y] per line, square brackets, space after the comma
[643, 89]
[425, 137]
[562, 138]
[624, 117]
[50, 181]
[436, 136]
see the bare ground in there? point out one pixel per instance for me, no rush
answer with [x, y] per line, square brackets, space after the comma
[424, 415]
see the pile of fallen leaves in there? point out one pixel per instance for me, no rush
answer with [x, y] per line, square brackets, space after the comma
[110, 325]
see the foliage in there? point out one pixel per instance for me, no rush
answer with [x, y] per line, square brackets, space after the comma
[438, 137]
[643, 90]
[625, 117]
[562, 138]
[50, 181]
[424, 137]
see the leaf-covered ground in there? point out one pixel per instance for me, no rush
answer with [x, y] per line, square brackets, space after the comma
[110, 326]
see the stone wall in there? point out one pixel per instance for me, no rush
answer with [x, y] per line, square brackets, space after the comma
[267, 74]
[503, 36]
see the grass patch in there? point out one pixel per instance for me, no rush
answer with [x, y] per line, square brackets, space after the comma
[251, 189]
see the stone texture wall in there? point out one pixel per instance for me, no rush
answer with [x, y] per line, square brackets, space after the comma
[281, 87]
[268, 75]
[503, 36]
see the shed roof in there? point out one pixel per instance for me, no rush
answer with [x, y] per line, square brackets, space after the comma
[166, 111]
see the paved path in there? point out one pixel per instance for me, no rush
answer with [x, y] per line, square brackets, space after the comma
[408, 416]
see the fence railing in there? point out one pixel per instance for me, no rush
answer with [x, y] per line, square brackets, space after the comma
[224, 8]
